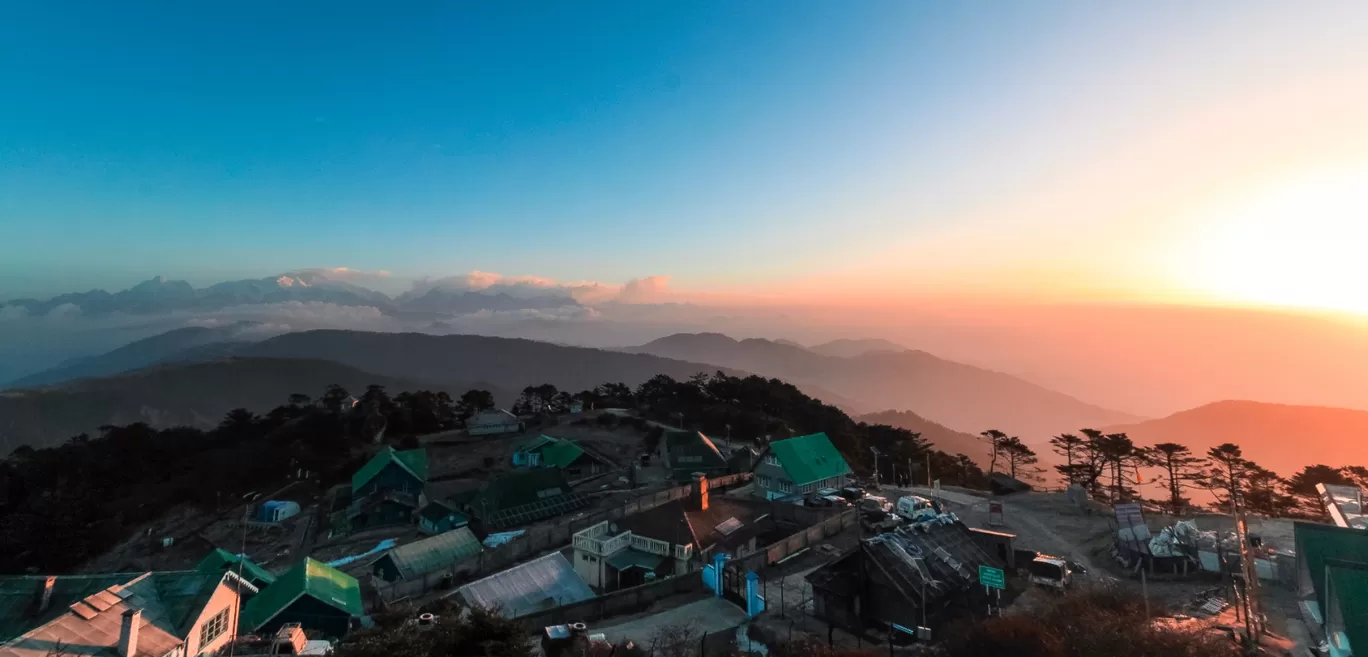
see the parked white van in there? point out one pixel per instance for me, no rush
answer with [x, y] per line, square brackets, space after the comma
[915, 508]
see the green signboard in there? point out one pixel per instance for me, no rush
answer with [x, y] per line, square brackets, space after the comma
[992, 577]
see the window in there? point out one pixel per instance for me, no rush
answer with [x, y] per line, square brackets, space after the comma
[763, 481]
[771, 459]
[213, 628]
[805, 488]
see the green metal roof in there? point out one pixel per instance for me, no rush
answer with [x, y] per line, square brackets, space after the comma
[810, 458]
[630, 558]
[309, 577]
[560, 453]
[436, 512]
[221, 560]
[555, 452]
[685, 445]
[1349, 589]
[1316, 544]
[521, 496]
[434, 553]
[414, 461]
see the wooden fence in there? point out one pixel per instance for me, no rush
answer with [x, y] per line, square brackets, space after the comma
[809, 536]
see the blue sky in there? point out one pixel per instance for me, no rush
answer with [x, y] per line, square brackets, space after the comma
[717, 142]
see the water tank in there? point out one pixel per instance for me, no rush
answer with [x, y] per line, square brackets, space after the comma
[426, 619]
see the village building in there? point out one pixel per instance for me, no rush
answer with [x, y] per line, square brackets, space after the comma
[566, 455]
[743, 459]
[1344, 503]
[518, 497]
[1331, 562]
[314, 595]
[221, 560]
[493, 422]
[923, 576]
[438, 517]
[800, 465]
[435, 553]
[388, 490]
[539, 584]
[152, 614]
[676, 537]
[688, 452]
[1346, 608]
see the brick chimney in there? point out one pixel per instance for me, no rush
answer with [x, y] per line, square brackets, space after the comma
[698, 492]
[128, 633]
[45, 600]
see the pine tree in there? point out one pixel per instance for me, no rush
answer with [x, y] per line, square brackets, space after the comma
[1182, 470]
[1073, 449]
[995, 439]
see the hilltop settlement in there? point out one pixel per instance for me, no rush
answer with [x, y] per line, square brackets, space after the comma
[618, 529]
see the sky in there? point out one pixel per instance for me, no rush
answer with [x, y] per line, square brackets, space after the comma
[813, 152]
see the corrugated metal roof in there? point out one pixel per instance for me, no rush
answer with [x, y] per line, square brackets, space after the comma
[810, 458]
[549, 581]
[434, 553]
[1344, 504]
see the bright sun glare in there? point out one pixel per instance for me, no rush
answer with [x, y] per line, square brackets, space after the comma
[1302, 244]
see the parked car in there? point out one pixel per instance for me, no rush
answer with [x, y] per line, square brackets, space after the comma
[853, 493]
[1051, 572]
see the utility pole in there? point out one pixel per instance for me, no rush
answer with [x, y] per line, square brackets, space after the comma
[876, 465]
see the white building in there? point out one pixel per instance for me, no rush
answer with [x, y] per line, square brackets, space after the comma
[671, 539]
[493, 422]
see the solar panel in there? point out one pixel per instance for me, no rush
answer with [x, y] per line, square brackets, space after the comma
[729, 526]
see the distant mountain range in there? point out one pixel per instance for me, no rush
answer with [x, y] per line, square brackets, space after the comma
[508, 363]
[942, 438]
[192, 343]
[964, 398]
[194, 394]
[173, 388]
[1280, 437]
[162, 295]
[852, 348]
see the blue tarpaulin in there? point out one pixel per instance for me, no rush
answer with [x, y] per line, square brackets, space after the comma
[495, 540]
[381, 547]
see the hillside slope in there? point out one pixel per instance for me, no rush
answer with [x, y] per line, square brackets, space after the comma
[1280, 437]
[507, 363]
[142, 353]
[941, 437]
[195, 394]
[848, 348]
[964, 398]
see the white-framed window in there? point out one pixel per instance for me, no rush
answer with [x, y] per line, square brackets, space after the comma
[785, 486]
[213, 628]
[805, 488]
[771, 459]
[764, 482]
